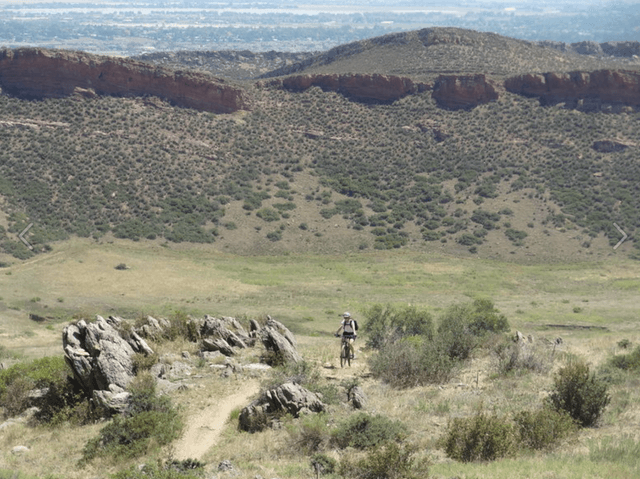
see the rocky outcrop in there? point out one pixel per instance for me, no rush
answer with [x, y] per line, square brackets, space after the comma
[357, 86]
[580, 89]
[457, 92]
[40, 73]
[289, 398]
[278, 339]
[609, 146]
[102, 359]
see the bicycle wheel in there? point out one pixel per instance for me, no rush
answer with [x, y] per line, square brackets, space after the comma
[344, 355]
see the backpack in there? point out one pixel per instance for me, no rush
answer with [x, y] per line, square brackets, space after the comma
[352, 324]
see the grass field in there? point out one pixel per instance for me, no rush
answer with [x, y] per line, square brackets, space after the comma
[306, 292]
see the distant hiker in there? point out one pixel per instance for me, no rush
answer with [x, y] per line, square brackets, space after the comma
[349, 328]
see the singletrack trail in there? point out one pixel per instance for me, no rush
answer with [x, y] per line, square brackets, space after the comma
[204, 427]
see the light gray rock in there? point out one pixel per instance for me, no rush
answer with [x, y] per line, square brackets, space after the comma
[283, 330]
[114, 403]
[100, 355]
[178, 369]
[288, 398]
[217, 344]
[19, 450]
[277, 343]
[226, 328]
[357, 398]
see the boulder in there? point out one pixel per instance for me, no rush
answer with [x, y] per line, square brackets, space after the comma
[356, 397]
[112, 402]
[288, 398]
[217, 345]
[275, 342]
[226, 328]
[283, 330]
[102, 359]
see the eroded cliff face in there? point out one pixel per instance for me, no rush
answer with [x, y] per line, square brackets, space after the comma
[41, 73]
[616, 87]
[457, 92]
[361, 87]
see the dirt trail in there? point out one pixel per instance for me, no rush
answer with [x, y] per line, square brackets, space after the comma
[205, 426]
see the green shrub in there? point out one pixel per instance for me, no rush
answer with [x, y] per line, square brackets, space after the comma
[181, 326]
[411, 363]
[144, 362]
[461, 326]
[389, 323]
[454, 333]
[484, 317]
[389, 461]
[309, 435]
[150, 421]
[323, 464]
[624, 343]
[579, 393]
[479, 438]
[543, 428]
[363, 431]
[268, 214]
[627, 362]
[50, 374]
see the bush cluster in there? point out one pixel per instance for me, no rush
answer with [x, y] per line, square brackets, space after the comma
[410, 353]
[150, 421]
[60, 394]
[484, 437]
[577, 400]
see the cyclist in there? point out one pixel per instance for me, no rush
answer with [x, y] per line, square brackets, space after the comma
[349, 328]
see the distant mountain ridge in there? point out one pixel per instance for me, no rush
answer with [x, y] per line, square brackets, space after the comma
[426, 53]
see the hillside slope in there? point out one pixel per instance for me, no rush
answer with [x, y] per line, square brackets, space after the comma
[309, 169]
[424, 54]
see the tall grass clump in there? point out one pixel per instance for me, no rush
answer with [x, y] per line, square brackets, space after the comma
[186, 469]
[578, 392]
[623, 449]
[514, 358]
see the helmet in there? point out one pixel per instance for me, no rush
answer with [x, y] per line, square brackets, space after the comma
[346, 315]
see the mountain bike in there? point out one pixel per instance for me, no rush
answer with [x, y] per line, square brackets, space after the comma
[345, 352]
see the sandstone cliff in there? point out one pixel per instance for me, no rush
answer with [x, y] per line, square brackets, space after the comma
[617, 87]
[361, 87]
[40, 73]
[463, 91]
